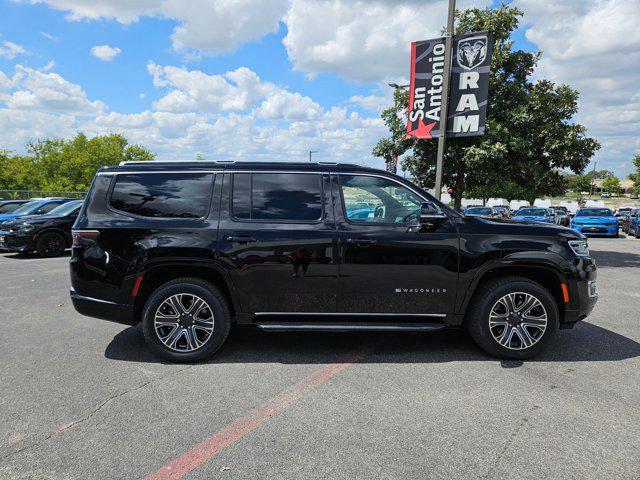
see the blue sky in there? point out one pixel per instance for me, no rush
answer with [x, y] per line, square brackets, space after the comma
[308, 74]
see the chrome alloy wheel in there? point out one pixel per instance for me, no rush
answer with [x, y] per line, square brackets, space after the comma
[184, 322]
[518, 320]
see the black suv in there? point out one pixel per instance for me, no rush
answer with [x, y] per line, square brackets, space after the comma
[190, 248]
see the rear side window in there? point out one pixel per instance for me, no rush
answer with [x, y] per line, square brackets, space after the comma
[162, 195]
[277, 197]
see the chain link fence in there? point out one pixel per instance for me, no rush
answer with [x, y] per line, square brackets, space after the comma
[27, 194]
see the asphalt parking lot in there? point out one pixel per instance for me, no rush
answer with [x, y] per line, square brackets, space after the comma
[84, 399]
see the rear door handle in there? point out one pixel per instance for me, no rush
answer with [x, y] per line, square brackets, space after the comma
[241, 239]
[361, 241]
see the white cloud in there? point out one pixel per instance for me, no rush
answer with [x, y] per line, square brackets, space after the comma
[11, 50]
[594, 46]
[211, 26]
[44, 91]
[48, 36]
[361, 40]
[374, 103]
[235, 91]
[105, 52]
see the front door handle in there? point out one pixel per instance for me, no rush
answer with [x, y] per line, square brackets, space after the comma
[241, 239]
[361, 241]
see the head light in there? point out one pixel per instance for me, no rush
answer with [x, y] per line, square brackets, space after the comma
[26, 227]
[579, 247]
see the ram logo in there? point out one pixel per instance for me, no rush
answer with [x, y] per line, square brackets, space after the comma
[472, 52]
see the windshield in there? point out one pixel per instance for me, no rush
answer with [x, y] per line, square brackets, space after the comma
[65, 209]
[9, 207]
[594, 212]
[478, 211]
[26, 208]
[533, 212]
[559, 212]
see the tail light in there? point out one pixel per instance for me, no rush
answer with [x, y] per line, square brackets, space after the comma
[84, 238]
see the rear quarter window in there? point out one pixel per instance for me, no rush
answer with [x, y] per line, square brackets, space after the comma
[160, 195]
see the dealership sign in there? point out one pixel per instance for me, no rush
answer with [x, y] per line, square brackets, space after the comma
[469, 87]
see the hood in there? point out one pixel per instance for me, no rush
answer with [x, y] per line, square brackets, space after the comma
[8, 216]
[594, 219]
[516, 227]
[532, 218]
[34, 219]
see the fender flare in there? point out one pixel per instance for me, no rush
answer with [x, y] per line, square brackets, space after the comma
[510, 263]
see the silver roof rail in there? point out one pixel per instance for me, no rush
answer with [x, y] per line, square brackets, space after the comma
[151, 162]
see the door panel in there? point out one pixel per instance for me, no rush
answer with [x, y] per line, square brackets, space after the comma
[278, 265]
[385, 266]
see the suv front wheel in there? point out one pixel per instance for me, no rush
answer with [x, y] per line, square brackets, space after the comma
[513, 317]
[186, 320]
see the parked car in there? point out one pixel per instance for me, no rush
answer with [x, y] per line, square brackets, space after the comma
[605, 195]
[8, 206]
[484, 212]
[634, 196]
[562, 216]
[534, 214]
[598, 221]
[48, 235]
[634, 227]
[624, 222]
[189, 248]
[34, 207]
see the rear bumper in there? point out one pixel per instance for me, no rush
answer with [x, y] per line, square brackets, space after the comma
[102, 309]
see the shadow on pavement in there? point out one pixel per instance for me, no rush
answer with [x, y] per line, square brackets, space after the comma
[607, 259]
[586, 342]
[23, 256]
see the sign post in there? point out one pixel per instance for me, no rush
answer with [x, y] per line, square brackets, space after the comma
[449, 71]
[445, 97]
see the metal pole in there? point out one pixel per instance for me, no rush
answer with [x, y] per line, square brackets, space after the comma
[448, 41]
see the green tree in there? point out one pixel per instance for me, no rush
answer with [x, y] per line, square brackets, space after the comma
[636, 176]
[611, 185]
[579, 183]
[529, 135]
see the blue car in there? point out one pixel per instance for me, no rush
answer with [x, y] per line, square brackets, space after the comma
[595, 221]
[634, 224]
[541, 215]
[34, 207]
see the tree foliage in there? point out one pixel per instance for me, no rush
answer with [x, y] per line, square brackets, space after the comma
[65, 165]
[529, 135]
[612, 185]
[635, 177]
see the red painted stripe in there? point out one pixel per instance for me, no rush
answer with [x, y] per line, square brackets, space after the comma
[136, 286]
[237, 429]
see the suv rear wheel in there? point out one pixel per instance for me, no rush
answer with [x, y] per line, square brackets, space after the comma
[513, 317]
[186, 320]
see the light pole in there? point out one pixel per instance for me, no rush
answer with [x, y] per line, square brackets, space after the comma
[593, 179]
[311, 152]
[448, 41]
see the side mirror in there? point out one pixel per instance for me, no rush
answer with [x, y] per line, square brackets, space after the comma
[430, 216]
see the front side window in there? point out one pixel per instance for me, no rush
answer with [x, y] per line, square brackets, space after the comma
[277, 197]
[378, 200]
[163, 195]
[48, 207]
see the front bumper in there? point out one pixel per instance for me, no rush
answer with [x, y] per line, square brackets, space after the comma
[583, 293]
[15, 242]
[596, 229]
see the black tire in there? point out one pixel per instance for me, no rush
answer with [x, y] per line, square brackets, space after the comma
[51, 244]
[214, 299]
[487, 297]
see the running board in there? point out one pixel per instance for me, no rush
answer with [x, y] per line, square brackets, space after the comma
[350, 326]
